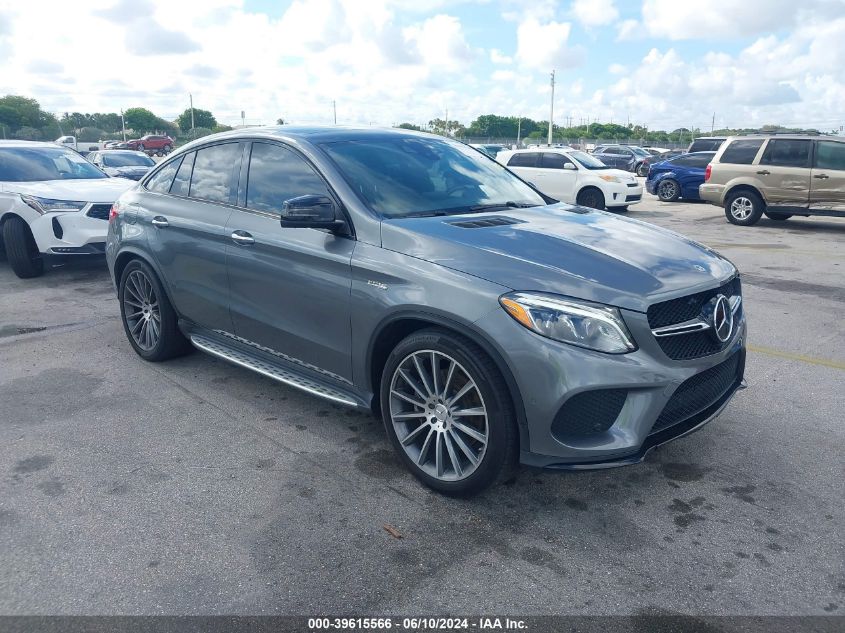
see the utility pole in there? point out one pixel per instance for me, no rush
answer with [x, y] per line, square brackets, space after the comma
[243, 118]
[552, 109]
[191, 98]
[123, 124]
[447, 120]
[713, 124]
[334, 110]
[518, 131]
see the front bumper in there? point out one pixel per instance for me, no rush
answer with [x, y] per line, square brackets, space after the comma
[714, 194]
[74, 233]
[549, 374]
[623, 194]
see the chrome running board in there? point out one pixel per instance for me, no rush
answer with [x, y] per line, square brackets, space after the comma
[271, 370]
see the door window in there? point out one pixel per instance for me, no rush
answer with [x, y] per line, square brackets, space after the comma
[214, 172]
[741, 152]
[787, 153]
[525, 159]
[551, 160]
[182, 182]
[163, 178]
[277, 174]
[830, 155]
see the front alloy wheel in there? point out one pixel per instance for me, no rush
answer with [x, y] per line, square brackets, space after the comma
[438, 415]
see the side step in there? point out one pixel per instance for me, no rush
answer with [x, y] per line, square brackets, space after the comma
[272, 370]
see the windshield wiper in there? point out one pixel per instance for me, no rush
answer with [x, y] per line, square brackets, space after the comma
[510, 204]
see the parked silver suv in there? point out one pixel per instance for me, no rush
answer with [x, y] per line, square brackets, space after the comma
[412, 275]
[777, 175]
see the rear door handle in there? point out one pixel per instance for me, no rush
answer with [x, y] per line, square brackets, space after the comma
[242, 237]
[821, 176]
[160, 221]
[765, 172]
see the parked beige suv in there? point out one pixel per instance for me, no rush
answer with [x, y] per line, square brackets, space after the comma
[777, 175]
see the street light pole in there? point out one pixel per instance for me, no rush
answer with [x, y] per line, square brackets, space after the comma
[552, 109]
[191, 97]
[334, 110]
[123, 124]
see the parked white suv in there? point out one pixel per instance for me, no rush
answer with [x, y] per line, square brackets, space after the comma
[53, 202]
[574, 177]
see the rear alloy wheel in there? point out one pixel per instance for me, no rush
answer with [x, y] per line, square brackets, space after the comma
[743, 208]
[780, 217]
[668, 190]
[448, 413]
[21, 249]
[150, 322]
[590, 197]
[642, 169]
[167, 149]
[141, 147]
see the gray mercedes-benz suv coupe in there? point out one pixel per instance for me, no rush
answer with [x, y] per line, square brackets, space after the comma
[412, 275]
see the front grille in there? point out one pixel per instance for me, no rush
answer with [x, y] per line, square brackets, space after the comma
[99, 211]
[588, 413]
[686, 308]
[633, 184]
[700, 392]
[694, 344]
[635, 198]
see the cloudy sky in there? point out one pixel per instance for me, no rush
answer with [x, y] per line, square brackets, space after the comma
[663, 63]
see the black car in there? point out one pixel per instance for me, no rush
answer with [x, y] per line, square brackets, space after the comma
[627, 157]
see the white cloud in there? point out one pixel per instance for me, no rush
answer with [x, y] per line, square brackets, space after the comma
[628, 30]
[545, 46]
[497, 57]
[595, 12]
[617, 69]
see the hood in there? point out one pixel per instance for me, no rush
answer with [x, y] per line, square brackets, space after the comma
[565, 250]
[621, 174]
[83, 190]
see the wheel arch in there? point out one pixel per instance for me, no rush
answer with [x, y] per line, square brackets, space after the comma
[127, 255]
[743, 186]
[397, 326]
[590, 186]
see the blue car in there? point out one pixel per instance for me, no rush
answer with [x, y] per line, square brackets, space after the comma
[678, 177]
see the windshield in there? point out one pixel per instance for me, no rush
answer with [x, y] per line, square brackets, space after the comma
[404, 176]
[127, 160]
[32, 164]
[587, 160]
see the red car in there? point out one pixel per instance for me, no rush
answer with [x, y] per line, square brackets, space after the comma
[149, 143]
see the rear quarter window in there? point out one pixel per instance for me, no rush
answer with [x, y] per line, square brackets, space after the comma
[830, 155]
[163, 178]
[741, 152]
[523, 160]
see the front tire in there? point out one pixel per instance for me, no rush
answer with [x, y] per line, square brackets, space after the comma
[744, 208]
[590, 197]
[149, 320]
[21, 249]
[668, 190]
[448, 413]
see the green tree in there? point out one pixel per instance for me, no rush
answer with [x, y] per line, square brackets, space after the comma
[221, 128]
[29, 111]
[280, 121]
[409, 126]
[89, 134]
[202, 118]
[28, 133]
[141, 120]
[9, 117]
[198, 132]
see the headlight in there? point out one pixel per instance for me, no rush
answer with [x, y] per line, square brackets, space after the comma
[607, 178]
[47, 205]
[589, 325]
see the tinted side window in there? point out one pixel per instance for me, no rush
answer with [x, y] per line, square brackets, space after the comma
[701, 160]
[163, 178]
[214, 169]
[528, 159]
[787, 153]
[830, 155]
[182, 183]
[277, 174]
[553, 161]
[741, 152]
[683, 161]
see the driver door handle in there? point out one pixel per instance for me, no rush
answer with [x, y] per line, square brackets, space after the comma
[764, 172]
[242, 237]
[822, 176]
[160, 221]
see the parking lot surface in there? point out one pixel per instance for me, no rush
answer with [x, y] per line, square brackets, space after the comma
[197, 487]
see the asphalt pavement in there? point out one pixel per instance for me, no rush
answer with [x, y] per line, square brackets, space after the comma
[197, 487]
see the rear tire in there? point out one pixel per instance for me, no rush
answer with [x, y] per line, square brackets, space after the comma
[668, 190]
[149, 320]
[167, 149]
[780, 217]
[447, 374]
[591, 197]
[642, 169]
[744, 208]
[21, 249]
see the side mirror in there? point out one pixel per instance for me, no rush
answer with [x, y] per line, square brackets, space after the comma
[310, 211]
[569, 166]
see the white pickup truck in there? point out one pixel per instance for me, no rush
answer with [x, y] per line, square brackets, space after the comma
[82, 148]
